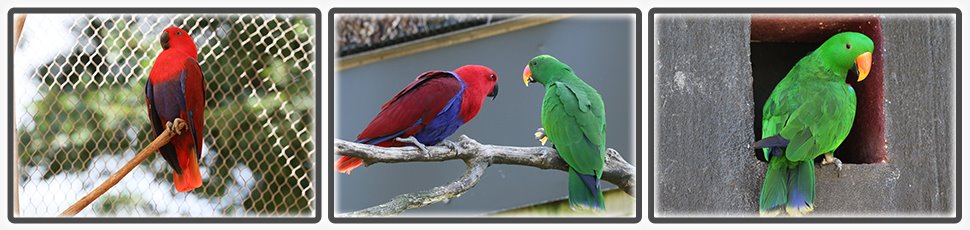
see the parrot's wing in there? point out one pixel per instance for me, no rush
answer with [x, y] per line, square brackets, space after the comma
[194, 91]
[413, 107]
[157, 125]
[819, 123]
[776, 111]
[574, 120]
[168, 150]
[418, 82]
[166, 98]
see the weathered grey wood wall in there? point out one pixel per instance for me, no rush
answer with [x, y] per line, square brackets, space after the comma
[703, 117]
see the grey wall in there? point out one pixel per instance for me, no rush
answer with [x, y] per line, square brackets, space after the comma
[703, 125]
[599, 49]
[703, 117]
[919, 127]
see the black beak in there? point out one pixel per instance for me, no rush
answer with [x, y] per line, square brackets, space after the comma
[164, 40]
[494, 92]
[854, 70]
[853, 74]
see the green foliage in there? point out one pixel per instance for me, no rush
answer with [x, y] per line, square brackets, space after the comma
[259, 103]
[111, 204]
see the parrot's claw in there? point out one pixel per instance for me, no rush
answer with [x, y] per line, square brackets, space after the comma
[454, 146]
[541, 136]
[173, 126]
[830, 159]
[416, 143]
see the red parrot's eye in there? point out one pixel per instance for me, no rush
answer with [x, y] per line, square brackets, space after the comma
[180, 33]
[492, 76]
[847, 46]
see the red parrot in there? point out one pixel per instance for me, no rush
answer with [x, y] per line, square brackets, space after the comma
[429, 109]
[176, 89]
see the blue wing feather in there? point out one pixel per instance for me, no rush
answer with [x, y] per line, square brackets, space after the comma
[167, 150]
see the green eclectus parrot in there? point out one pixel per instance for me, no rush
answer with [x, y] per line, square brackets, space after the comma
[809, 114]
[574, 120]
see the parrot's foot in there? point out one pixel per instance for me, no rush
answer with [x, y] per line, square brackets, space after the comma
[454, 146]
[173, 126]
[416, 143]
[830, 159]
[541, 136]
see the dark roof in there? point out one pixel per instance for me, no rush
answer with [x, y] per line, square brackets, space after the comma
[361, 33]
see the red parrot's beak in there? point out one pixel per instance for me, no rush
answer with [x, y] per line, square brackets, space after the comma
[863, 63]
[527, 76]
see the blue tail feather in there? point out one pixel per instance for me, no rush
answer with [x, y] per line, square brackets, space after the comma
[584, 191]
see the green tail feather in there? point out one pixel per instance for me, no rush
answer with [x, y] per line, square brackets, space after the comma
[787, 188]
[774, 192]
[585, 195]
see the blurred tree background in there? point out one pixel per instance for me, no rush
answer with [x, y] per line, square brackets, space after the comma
[81, 114]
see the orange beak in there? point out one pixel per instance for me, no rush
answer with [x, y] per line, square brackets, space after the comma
[527, 76]
[863, 63]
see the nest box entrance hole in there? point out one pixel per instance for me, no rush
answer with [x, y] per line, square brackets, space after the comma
[780, 41]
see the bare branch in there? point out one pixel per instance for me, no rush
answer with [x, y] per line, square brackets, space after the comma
[152, 147]
[404, 202]
[478, 157]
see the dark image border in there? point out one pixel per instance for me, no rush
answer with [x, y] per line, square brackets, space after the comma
[954, 11]
[638, 113]
[163, 220]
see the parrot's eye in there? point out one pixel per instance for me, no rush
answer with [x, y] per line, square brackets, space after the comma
[492, 76]
[847, 46]
[533, 63]
[178, 32]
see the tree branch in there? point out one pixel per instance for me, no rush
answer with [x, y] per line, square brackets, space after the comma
[478, 157]
[153, 147]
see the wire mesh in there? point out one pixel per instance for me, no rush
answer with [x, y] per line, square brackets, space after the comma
[80, 114]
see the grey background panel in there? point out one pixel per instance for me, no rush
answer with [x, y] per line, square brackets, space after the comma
[599, 48]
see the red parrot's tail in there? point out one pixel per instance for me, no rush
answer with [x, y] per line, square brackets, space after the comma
[190, 178]
[345, 164]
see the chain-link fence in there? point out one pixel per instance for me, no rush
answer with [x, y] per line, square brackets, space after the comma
[80, 114]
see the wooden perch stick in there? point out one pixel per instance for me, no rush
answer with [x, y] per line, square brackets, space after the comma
[18, 24]
[153, 147]
[478, 157]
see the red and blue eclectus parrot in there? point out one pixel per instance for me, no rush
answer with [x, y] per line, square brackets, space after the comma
[176, 89]
[429, 109]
